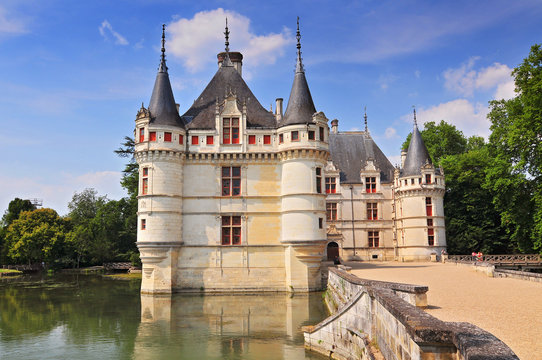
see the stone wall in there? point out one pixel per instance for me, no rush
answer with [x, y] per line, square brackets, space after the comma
[371, 317]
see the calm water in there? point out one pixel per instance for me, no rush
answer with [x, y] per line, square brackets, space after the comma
[90, 317]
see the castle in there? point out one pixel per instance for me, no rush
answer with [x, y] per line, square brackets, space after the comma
[234, 197]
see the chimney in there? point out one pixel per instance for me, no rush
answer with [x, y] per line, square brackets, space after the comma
[335, 126]
[236, 59]
[403, 157]
[177, 106]
[278, 109]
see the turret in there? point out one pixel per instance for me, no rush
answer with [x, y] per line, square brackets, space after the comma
[303, 144]
[419, 191]
[159, 151]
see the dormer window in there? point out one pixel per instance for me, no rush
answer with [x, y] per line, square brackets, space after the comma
[428, 178]
[331, 186]
[321, 133]
[230, 131]
[370, 184]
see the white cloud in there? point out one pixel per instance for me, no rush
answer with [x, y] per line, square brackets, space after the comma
[106, 29]
[10, 25]
[468, 117]
[390, 133]
[417, 74]
[57, 195]
[465, 80]
[196, 41]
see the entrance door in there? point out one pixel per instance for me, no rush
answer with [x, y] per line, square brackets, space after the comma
[332, 251]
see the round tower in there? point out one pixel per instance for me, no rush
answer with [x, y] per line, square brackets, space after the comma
[419, 193]
[159, 150]
[303, 148]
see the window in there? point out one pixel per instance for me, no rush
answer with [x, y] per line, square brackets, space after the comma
[167, 137]
[428, 207]
[428, 178]
[319, 180]
[267, 139]
[181, 139]
[419, 180]
[252, 139]
[370, 184]
[372, 211]
[311, 134]
[195, 140]
[231, 230]
[141, 134]
[295, 135]
[373, 239]
[210, 140]
[430, 237]
[320, 223]
[429, 222]
[230, 128]
[411, 181]
[281, 139]
[145, 181]
[143, 224]
[231, 181]
[331, 211]
[321, 134]
[152, 136]
[331, 187]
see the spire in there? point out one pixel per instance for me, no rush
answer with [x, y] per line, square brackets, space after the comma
[162, 67]
[162, 105]
[299, 64]
[300, 105]
[417, 154]
[365, 118]
[227, 60]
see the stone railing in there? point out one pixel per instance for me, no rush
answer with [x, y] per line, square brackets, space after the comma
[371, 316]
[516, 259]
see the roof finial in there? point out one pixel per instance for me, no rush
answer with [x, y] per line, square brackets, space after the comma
[163, 66]
[415, 122]
[299, 64]
[365, 118]
[227, 34]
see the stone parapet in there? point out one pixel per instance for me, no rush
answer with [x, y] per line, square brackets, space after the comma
[371, 316]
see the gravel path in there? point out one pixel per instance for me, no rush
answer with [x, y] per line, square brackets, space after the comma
[510, 309]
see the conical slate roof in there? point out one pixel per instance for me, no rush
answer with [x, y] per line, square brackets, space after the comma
[300, 105]
[417, 155]
[162, 105]
[201, 114]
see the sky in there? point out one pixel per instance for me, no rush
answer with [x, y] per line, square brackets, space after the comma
[74, 73]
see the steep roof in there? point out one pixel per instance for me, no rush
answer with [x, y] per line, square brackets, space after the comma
[349, 150]
[417, 155]
[300, 105]
[201, 114]
[162, 105]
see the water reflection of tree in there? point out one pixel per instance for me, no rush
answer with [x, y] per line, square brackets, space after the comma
[88, 307]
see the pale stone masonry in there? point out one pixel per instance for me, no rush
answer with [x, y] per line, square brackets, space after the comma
[233, 197]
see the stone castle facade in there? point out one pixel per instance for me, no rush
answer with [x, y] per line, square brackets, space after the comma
[233, 197]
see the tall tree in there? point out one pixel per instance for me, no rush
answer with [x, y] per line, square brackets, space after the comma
[516, 143]
[130, 176]
[15, 207]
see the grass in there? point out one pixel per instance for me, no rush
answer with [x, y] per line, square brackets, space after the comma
[11, 271]
[124, 276]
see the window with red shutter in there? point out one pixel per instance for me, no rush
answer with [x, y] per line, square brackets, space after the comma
[141, 134]
[181, 139]
[143, 224]
[428, 207]
[267, 139]
[195, 140]
[252, 139]
[152, 136]
[210, 140]
[370, 184]
[331, 187]
[167, 137]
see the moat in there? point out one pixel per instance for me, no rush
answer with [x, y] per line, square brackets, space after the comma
[92, 317]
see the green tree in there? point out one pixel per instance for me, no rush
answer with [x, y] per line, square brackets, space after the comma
[130, 175]
[516, 143]
[441, 140]
[15, 207]
[36, 236]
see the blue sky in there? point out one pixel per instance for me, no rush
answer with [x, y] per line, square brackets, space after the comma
[74, 73]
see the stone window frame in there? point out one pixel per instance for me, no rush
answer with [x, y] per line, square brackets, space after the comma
[230, 182]
[331, 211]
[373, 239]
[231, 230]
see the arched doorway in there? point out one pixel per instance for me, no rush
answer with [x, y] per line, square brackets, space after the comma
[332, 251]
